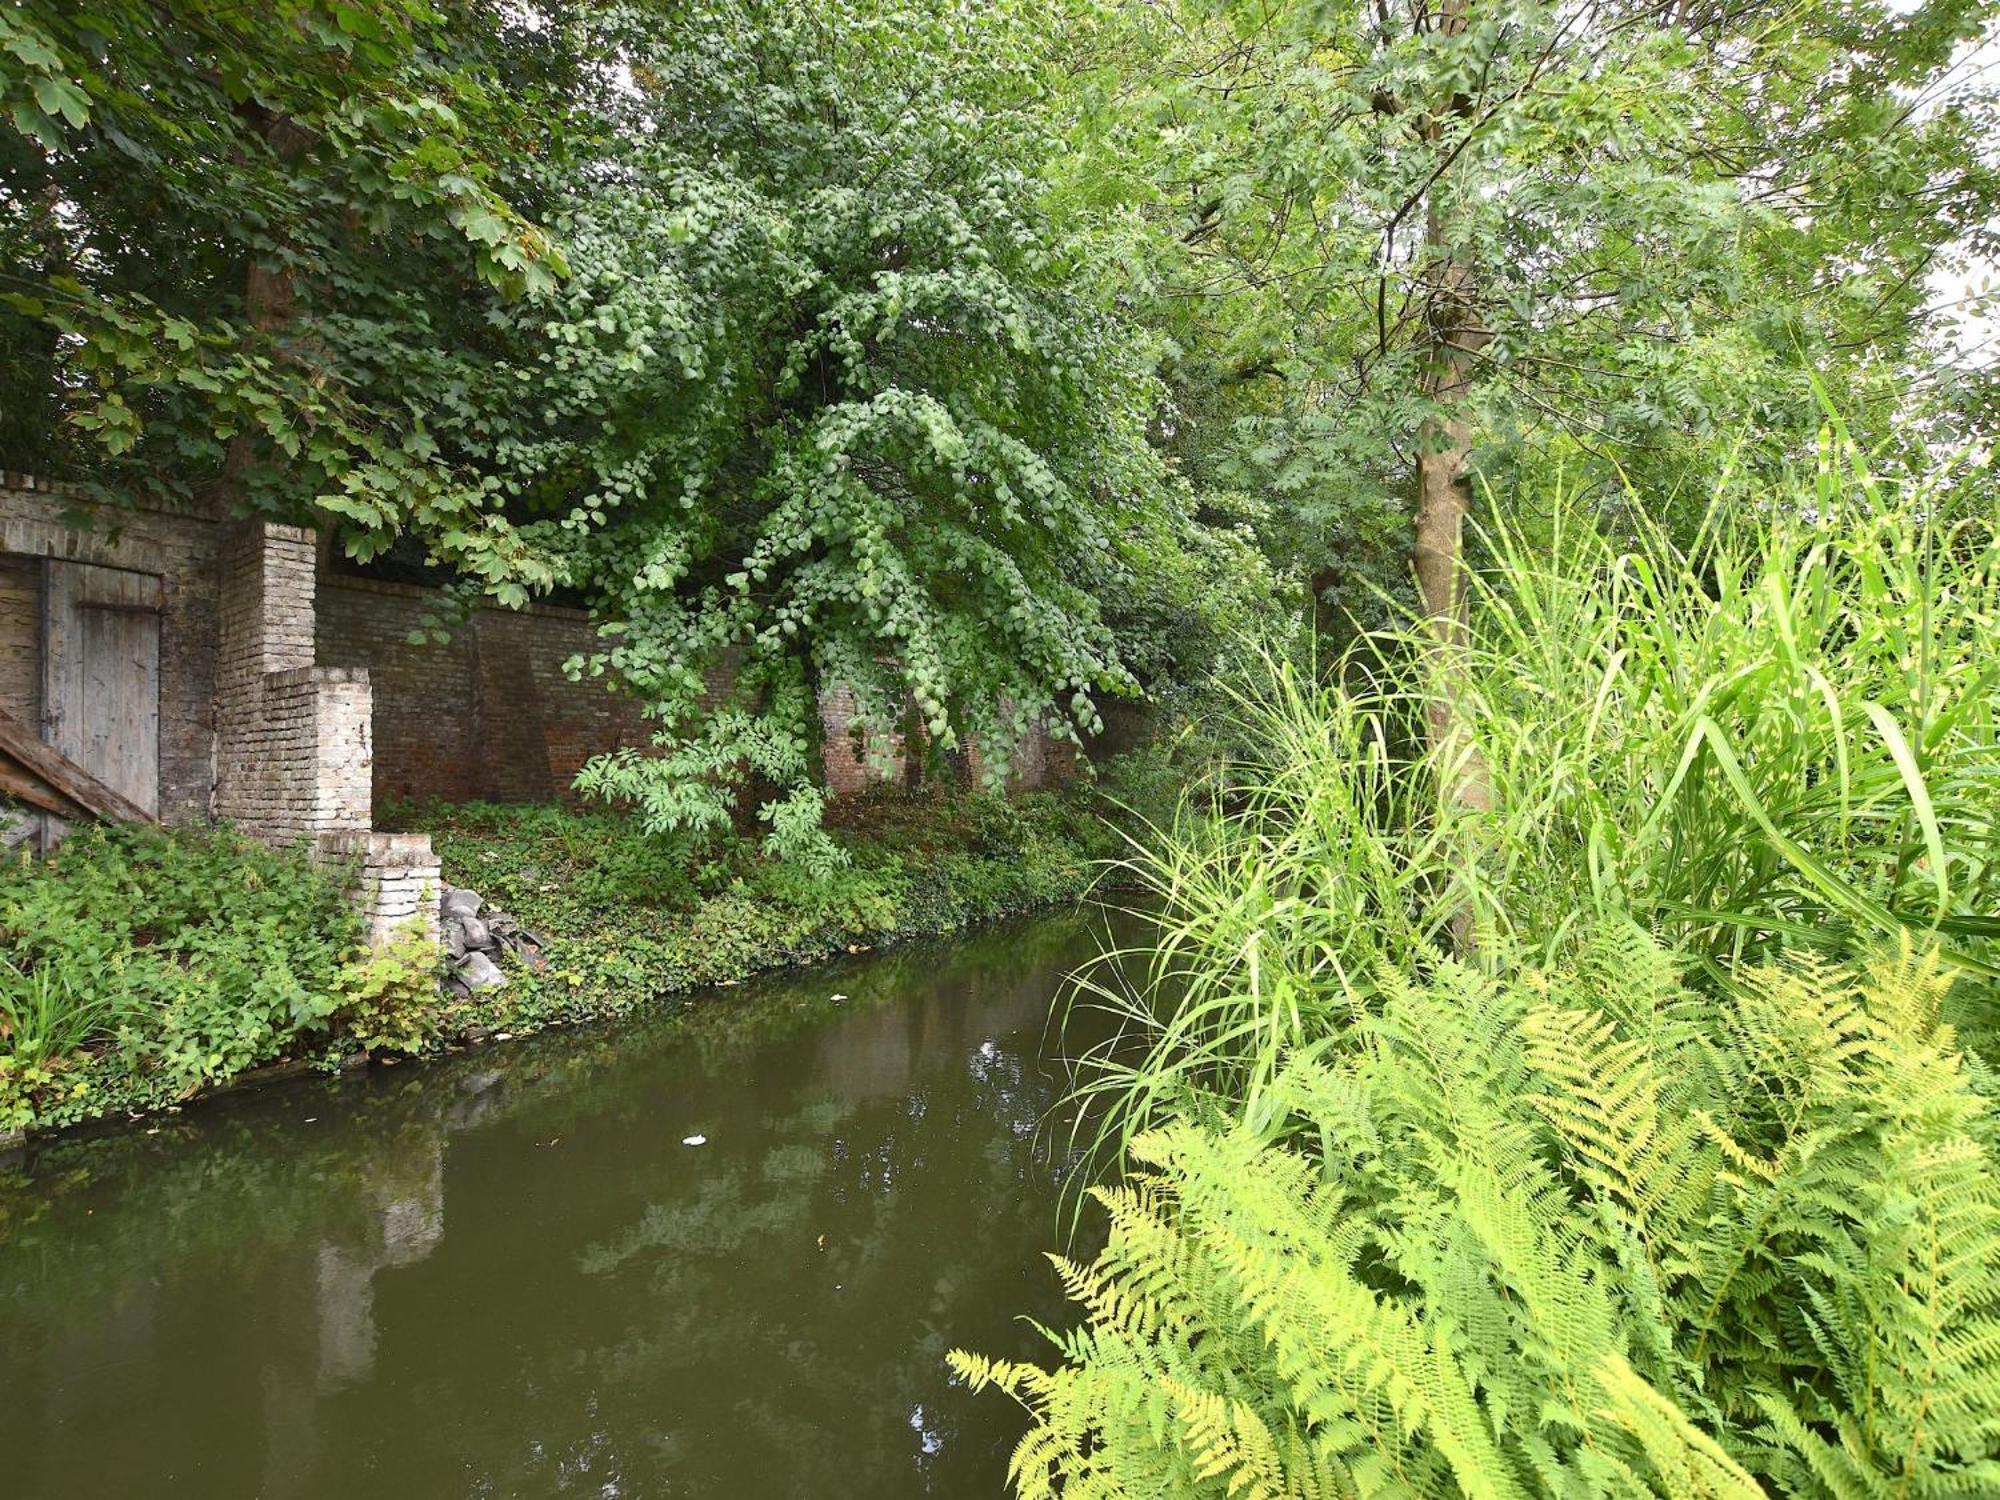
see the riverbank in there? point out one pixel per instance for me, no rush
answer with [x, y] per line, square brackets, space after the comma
[624, 922]
[151, 970]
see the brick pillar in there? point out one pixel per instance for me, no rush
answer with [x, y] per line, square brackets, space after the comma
[273, 708]
[294, 748]
[399, 881]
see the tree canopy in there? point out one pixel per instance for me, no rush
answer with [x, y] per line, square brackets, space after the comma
[990, 359]
[1613, 237]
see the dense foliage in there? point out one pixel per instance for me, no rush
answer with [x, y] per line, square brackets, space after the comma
[1398, 246]
[254, 249]
[1788, 737]
[799, 375]
[1575, 1214]
[970, 355]
[1560, 1234]
[628, 917]
[140, 967]
[831, 397]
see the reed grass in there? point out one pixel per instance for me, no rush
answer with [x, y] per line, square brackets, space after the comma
[1779, 733]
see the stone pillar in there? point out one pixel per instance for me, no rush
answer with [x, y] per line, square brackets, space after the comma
[399, 881]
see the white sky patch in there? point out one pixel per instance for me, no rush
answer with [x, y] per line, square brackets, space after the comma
[1965, 285]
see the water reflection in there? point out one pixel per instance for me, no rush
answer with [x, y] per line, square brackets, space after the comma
[516, 1281]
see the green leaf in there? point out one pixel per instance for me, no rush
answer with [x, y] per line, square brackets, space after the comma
[58, 96]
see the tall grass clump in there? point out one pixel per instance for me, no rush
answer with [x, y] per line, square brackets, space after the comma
[1576, 1102]
[1780, 735]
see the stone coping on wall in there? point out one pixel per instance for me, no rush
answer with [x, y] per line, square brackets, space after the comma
[389, 850]
[199, 511]
[395, 590]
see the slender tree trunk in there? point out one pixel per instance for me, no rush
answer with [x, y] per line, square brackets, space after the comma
[1456, 331]
[1444, 491]
[916, 745]
[269, 299]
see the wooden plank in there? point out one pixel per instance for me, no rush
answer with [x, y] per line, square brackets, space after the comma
[116, 588]
[18, 783]
[63, 775]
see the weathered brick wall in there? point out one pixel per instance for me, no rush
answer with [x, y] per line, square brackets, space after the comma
[400, 881]
[181, 548]
[857, 759]
[488, 713]
[250, 729]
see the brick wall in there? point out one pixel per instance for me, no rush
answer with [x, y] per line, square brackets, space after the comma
[488, 713]
[855, 757]
[181, 548]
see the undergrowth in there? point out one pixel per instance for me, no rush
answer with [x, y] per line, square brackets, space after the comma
[1669, 1182]
[1583, 1233]
[629, 916]
[140, 966]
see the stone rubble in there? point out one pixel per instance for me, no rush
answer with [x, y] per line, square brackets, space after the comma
[476, 935]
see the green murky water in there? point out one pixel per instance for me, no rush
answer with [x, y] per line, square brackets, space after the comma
[506, 1275]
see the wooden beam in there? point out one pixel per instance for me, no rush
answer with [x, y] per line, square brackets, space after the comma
[65, 776]
[22, 787]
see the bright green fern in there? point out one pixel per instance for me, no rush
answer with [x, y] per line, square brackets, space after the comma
[1582, 1234]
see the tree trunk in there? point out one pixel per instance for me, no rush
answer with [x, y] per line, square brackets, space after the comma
[1456, 331]
[916, 744]
[269, 298]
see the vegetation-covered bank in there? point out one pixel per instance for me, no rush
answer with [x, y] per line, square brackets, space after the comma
[628, 916]
[144, 968]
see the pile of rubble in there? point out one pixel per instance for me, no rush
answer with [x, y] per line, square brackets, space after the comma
[473, 942]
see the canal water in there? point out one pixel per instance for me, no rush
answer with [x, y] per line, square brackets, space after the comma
[720, 1256]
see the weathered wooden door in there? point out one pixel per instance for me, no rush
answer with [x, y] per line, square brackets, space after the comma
[101, 675]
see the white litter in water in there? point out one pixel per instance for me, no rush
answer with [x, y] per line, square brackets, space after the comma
[694, 1140]
[839, 997]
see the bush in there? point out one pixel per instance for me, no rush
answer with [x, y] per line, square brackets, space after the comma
[1582, 1234]
[1566, 1217]
[631, 915]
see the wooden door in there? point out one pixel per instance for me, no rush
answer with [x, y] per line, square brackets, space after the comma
[101, 675]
